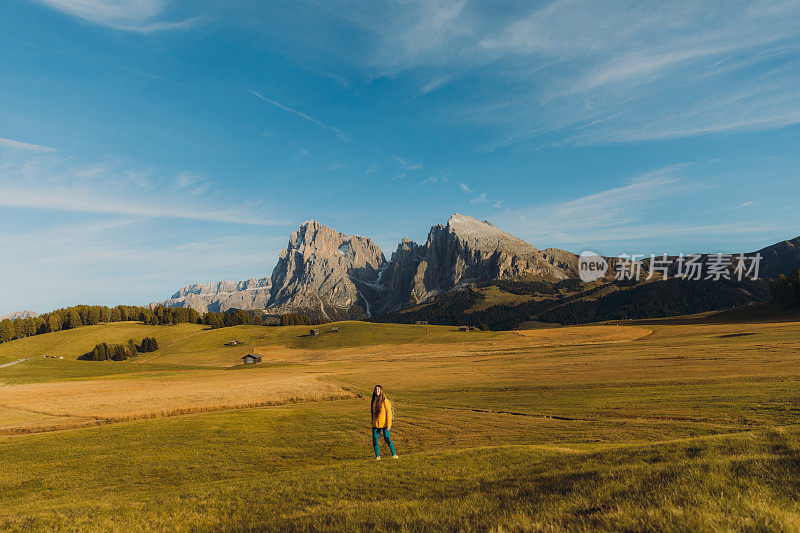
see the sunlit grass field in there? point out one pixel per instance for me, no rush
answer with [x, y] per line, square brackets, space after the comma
[678, 427]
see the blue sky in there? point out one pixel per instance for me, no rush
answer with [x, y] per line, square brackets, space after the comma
[147, 144]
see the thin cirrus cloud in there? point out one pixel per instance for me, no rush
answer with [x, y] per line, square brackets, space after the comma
[54, 184]
[608, 214]
[588, 72]
[339, 133]
[11, 144]
[634, 211]
[143, 16]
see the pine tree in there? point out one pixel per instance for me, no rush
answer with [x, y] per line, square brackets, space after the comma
[92, 316]
[30, 327]
[19, 328]
[73, 319]
[6, 330]
[54, 322]
[119, 353]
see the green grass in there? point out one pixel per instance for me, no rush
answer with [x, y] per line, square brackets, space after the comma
[192, 344]
[38, 370]
[304, 467]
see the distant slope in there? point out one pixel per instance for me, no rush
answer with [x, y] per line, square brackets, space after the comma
[780, 258]
[573, 302]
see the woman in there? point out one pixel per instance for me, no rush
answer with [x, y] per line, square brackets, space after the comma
[381, 410]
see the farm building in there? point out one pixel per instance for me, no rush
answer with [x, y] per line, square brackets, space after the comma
[231, 343]
[334, 330]
[251, 359]
[421, 322]
[314, 332]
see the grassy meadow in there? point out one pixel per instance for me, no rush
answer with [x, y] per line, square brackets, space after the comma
[675, 426]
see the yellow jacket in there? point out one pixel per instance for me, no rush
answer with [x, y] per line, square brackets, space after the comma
[384, 418]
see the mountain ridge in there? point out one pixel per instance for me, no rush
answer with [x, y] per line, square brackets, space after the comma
[333, 275]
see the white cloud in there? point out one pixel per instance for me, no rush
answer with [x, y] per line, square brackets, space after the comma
[300, 156]
[406, 164]
[465, 187]
[339, 133]
[591, 71]
[56, 184]
[370, 170]
[48, 273]
[142, 16]
[11, 144]
[624, 212]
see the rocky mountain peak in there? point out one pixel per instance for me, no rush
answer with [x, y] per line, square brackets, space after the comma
[485, 236]
[320, 269]
[20, 314]
[335, 275]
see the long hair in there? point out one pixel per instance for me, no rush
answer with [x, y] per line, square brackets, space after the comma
[377, 402]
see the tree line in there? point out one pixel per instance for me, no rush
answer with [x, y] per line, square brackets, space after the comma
[786, 290]
[120, 352]
[90, 315]
[69, 318]
[566, 302]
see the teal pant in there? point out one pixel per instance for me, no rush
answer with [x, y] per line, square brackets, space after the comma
[376, 432]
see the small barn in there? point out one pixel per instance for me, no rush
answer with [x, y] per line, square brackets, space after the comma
[231, 343]
[314, 332]
[334, 329]
[463, 328]
[251, 359]
[422, 322]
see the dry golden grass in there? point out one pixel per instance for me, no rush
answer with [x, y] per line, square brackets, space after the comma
[578, 335]
[191, 391]
[690, 427]
[473, 343]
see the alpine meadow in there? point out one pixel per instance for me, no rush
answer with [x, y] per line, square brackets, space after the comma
[423, 265]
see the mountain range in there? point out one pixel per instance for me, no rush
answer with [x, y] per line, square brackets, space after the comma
[328, 274]
[20, 314]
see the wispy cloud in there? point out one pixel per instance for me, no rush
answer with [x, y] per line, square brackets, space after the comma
[305, 116]
[11, 144]
[59, 184]
[143, 16]
[406, 164]
[625, 212]
[481, 198]
[46, 259]
[592, 72]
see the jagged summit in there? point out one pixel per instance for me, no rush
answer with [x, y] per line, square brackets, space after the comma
[319, 270]
[333, 274]
[485, 235]
[20, 314]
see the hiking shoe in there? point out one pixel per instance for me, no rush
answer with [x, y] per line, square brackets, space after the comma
[394, 456]
[378, 458]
